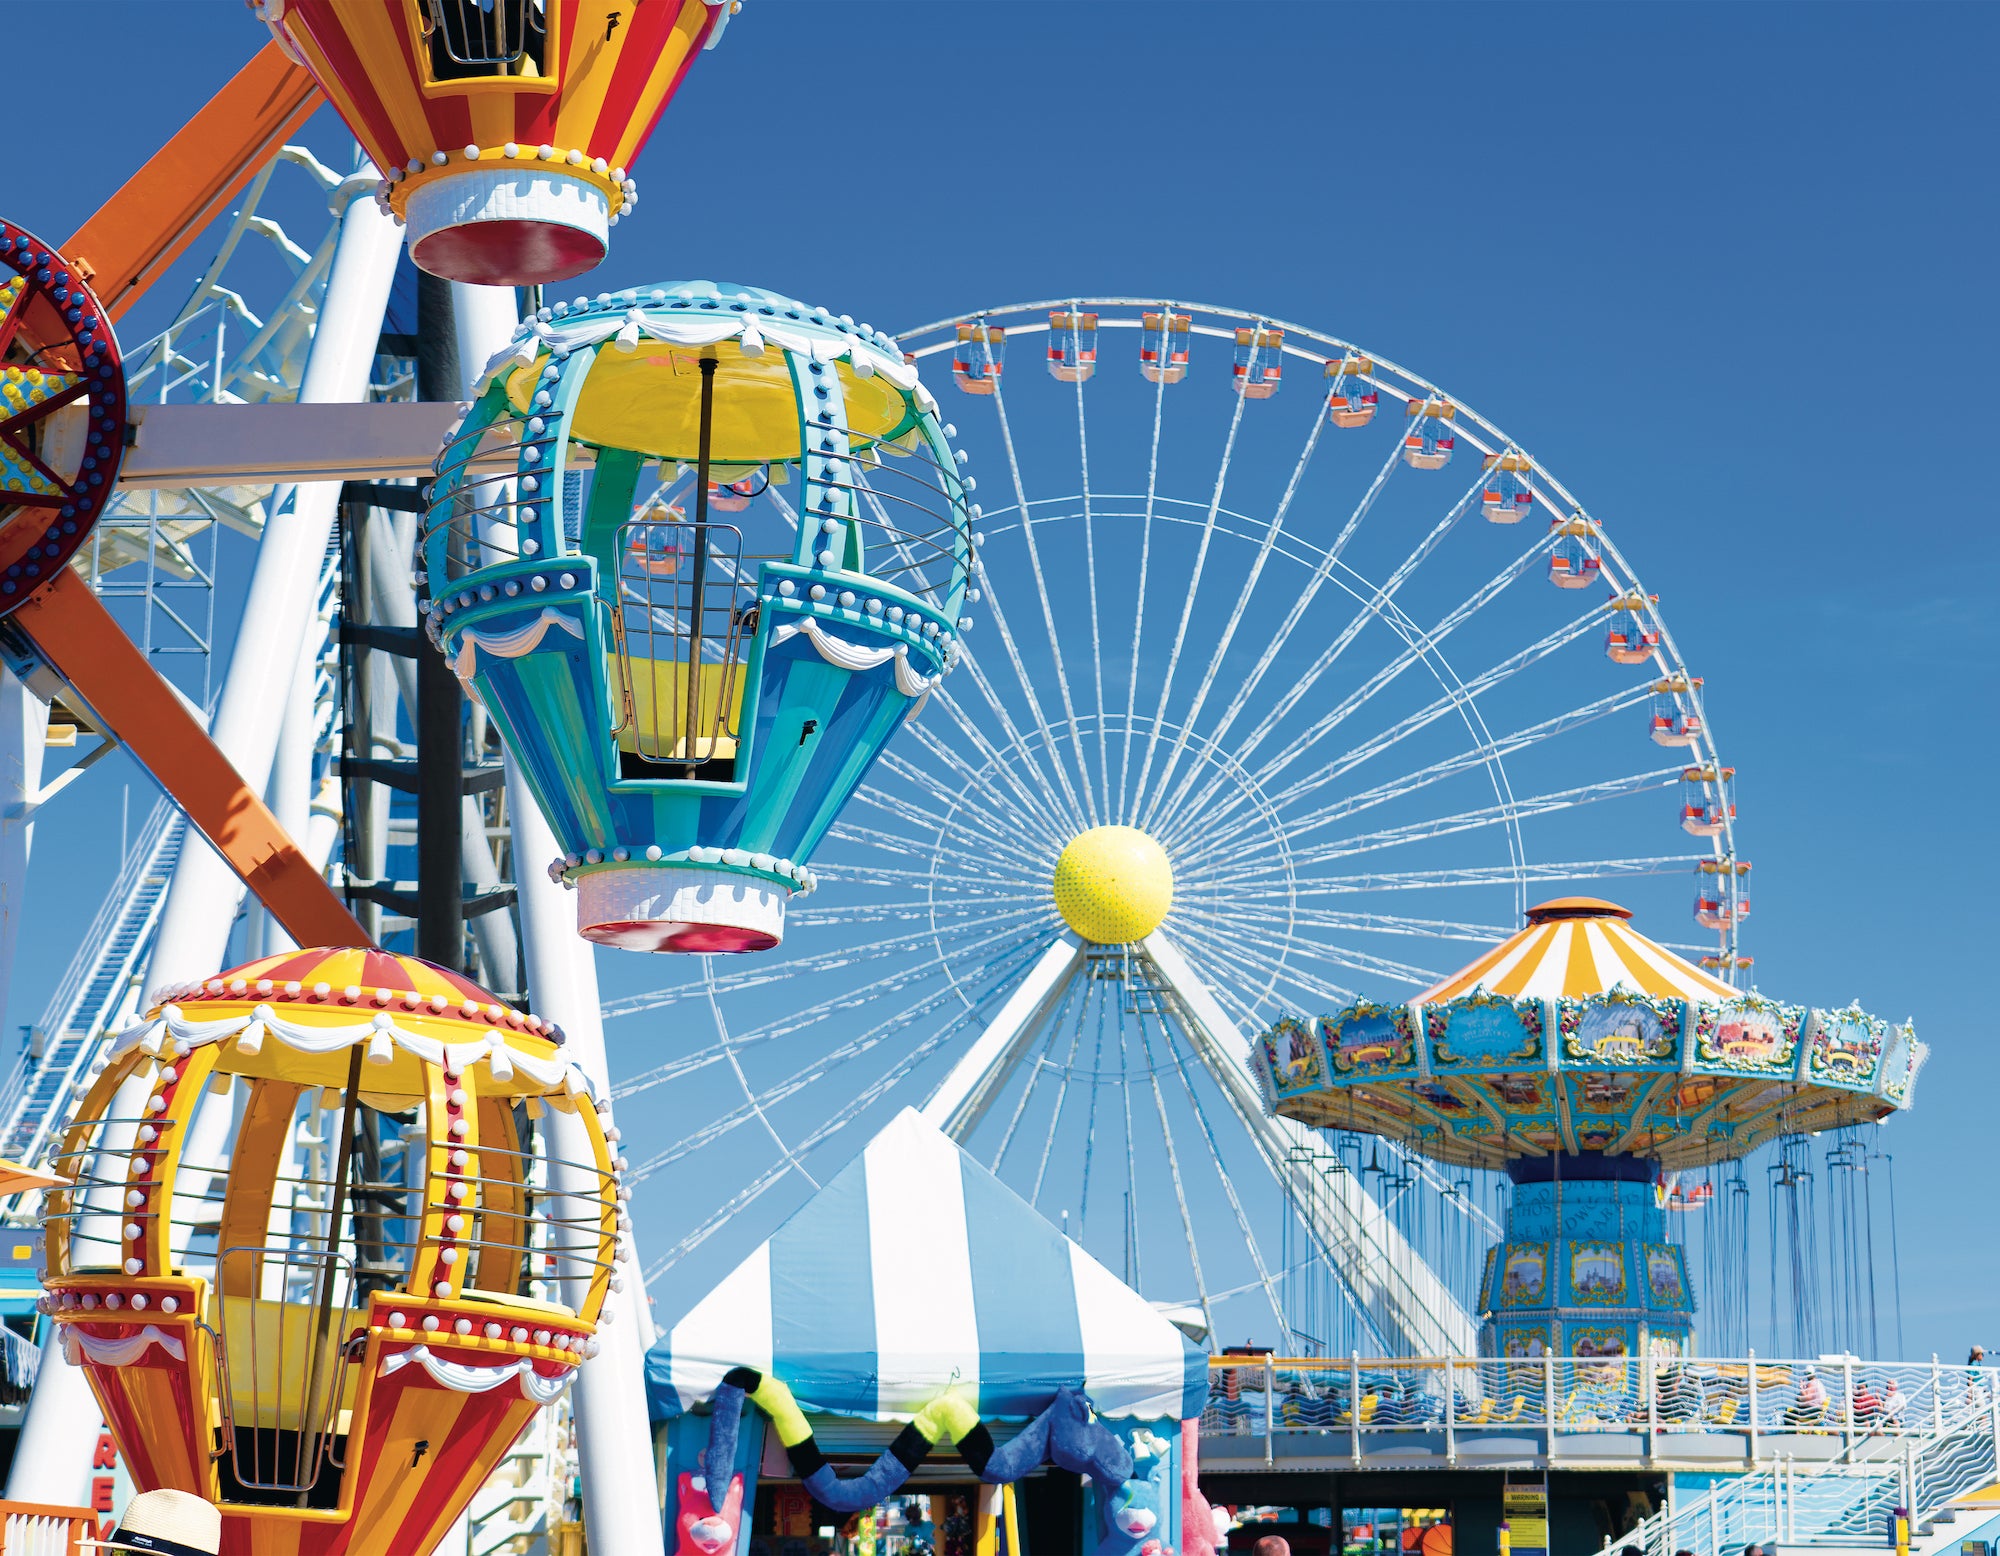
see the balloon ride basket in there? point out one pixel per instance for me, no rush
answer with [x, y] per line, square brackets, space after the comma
[698, 912]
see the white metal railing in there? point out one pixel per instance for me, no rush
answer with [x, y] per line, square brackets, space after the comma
[1847, 1500]
[1753, 1409]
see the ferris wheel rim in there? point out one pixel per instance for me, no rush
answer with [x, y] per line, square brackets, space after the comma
[1032, 319]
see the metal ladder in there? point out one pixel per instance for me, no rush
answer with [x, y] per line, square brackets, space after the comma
[96, 994]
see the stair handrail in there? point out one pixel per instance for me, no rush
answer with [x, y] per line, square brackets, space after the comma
[1959, 1459]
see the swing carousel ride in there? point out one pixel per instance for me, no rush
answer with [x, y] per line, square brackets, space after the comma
[1046, 809]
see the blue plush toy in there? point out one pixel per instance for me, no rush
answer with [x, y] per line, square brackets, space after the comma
[1136, 1510]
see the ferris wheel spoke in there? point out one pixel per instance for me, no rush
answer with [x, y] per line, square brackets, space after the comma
[1372, 608]
[911, 569]
[897, 807]
[974, 666]
[1418, 645]
[754, 1104]
[764, 973]
[900, 843]
[1464, 821]
[1409, 783]
[1322, 571]
[1393, 924]
[1222, 1172]
[1002, 944]
[1499, 874]
[923, 908]
[1026, 806]
[1174, 1171]
[964, 872]
[1139, 595]
[1228, 637]
[1139, 804]
[1090, 578]
[1062, 1094]
[1048, 621]
[1251, 959]
[1053, 1027]
[1338, 954]
[1027, 688]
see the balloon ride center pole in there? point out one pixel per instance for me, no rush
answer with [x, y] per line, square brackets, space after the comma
[698, 574]
[323, 1326]
[440, 702]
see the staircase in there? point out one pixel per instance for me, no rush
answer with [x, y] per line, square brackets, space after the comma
[1843, 1504]
[96, 995]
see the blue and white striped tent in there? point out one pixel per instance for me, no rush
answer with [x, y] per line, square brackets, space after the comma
[916, 1268]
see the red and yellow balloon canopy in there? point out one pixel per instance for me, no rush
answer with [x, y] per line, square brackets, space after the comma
[341, 1223]
[504, 128]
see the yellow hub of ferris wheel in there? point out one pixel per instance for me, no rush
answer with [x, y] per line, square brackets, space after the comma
[1113, 885]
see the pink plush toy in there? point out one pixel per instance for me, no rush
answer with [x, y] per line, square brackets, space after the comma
[705, 1529]
[1197, 1519]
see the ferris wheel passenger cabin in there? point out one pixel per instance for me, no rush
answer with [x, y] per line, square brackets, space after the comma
[1508, 495]
[1259, 364]
[981, 354]
[1351, 400]
[1163, 346]
[1429, 443]
[1721, 893]
[1632, 638]
[1072, 346]
[1574, 562]
[1708, 799]
[1675, 719]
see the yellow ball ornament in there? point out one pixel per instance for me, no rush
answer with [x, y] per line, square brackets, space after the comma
[1113, 885]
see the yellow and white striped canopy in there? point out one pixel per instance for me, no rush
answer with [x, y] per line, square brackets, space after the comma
[1575, 947]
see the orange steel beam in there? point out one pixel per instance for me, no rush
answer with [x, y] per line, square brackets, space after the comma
[144, 227]
[91, 651]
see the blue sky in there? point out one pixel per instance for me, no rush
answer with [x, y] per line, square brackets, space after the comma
[1726, 268]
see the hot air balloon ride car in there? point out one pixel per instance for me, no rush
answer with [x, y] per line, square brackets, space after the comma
[341, 1224]
[504, 128]
[693, 701]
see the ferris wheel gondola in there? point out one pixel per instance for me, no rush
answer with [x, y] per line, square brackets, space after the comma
[1262, 706]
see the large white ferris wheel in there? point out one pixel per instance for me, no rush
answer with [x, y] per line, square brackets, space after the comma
[1272, 700]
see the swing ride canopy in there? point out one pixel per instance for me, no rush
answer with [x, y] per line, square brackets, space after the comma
[1579, 1034]
[911, 1270]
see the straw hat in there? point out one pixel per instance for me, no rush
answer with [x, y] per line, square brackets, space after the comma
[166, 1523]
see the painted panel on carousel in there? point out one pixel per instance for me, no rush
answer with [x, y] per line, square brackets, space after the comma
[1666, 1277]
[1748, 1036]
[1370, 1040]
[347, 1390]
[1598, 1341]
[1521, 1342]
[1485, 1031]
[1597, 1274]
[1623, 1027]
[1524, 1275]
[694, 680]
[1900, 1065]
[1292, 1057]
[505, 128]
[1486, 1292]
[1846, 1048]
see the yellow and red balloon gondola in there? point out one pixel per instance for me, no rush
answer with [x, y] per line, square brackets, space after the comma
[341, 1223]
[504, 128]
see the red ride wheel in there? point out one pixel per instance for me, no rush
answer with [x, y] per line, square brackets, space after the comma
[62, 413]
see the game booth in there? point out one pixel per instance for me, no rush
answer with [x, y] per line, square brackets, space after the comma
[918, 1359]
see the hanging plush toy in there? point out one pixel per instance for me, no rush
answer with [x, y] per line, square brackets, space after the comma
[1199, 1534]
[1135, 1510]
[705, 1529]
